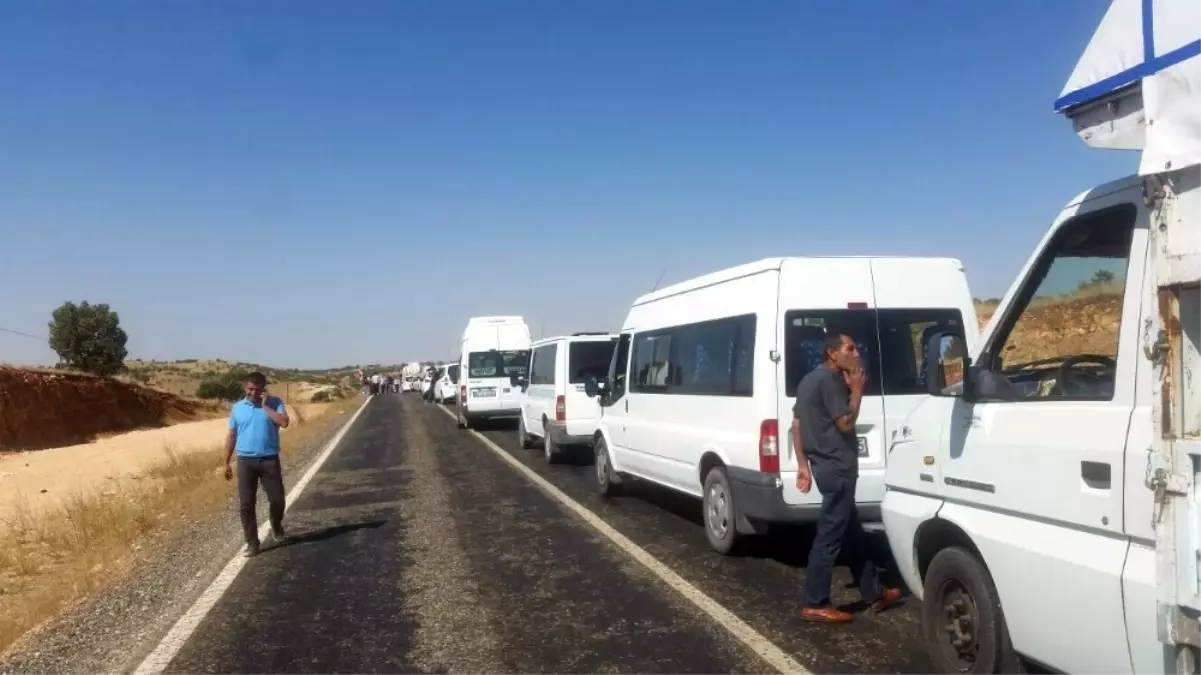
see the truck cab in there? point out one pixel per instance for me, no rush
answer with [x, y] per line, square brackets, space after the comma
[1042, 502]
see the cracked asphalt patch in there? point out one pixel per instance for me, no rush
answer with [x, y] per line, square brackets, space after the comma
[415, 549]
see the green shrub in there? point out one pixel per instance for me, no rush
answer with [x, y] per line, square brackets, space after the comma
[227, 386]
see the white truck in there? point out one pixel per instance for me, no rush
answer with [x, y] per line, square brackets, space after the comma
[1043, 501]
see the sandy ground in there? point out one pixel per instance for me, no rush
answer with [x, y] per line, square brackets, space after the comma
[41, 479]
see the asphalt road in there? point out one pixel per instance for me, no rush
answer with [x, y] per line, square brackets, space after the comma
[417, 549]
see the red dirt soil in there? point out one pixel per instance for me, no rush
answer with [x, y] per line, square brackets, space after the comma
[50, 409]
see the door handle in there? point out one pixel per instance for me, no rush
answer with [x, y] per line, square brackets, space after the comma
[1096, 475]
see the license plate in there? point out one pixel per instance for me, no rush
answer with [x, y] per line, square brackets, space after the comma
[862, 446]
[484, 392]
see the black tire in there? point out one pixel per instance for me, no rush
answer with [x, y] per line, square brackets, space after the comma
[959, 588]
[523, 438]
[550, 449]
[718, 507]
[605, 474]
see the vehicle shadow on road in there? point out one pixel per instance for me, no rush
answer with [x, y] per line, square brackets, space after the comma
[322, 534]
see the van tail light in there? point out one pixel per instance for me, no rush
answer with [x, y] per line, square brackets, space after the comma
[560, 409]
[463, 393]
[769, 446]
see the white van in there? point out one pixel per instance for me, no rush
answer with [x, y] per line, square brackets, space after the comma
[700, 392]
[556, 408]
[448, 381]
[492, 350]
[1044, 503]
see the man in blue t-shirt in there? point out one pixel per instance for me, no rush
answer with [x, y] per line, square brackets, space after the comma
[254, 424]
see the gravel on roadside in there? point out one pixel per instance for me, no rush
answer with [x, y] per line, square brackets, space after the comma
[112, 630]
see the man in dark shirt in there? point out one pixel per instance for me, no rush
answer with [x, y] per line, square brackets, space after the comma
[823, 431]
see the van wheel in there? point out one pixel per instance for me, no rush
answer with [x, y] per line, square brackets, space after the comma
[962, 622]
[718, 507]
[605, 474]
[523, 438]
[550, 449]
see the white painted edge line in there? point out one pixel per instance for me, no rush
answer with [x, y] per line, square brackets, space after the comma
[775, 657]
[158, 660]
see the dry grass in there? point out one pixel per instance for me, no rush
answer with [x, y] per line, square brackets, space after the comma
[50, 559]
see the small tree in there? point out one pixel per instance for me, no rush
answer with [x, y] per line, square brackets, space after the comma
[88, 338]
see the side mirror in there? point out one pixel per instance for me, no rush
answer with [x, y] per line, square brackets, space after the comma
[947, 365]
[591, 386]
[518, 381]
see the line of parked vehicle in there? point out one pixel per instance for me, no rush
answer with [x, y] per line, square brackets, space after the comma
[694, 390]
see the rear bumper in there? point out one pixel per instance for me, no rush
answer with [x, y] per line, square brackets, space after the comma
[476, 410]
[759, 499]
[563, 433]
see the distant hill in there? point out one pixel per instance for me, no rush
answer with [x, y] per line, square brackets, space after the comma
[181, 377]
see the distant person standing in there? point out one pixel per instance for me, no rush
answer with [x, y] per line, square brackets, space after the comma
[823, 431]
[375, 384]
[430, 395]
[254, 424]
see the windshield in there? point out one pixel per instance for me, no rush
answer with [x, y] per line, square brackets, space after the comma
[589, 358]
[498, 364]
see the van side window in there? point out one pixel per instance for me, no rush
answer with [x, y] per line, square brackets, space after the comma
[652, 365]
[618, 367]
[714, 358]
[543, 367]
[889, 340]
[1059, 339]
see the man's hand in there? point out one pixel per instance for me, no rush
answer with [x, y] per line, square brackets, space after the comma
[804, 479]
[229, 471]
[856, 378]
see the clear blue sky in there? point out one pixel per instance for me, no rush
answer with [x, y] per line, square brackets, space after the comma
[310, 183]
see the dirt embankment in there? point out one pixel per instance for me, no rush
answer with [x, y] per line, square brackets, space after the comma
[1063, 326]
[41, 409]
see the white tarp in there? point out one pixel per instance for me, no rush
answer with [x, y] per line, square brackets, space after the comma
[1157, 42]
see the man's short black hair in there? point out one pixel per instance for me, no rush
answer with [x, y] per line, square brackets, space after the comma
[832, 343]
[257, 378]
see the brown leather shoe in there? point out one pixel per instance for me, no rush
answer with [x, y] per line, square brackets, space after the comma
[888, 598]
[825, 615]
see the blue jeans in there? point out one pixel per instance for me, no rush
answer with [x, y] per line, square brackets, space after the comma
[838, 531]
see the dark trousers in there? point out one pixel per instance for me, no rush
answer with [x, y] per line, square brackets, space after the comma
[252, 470]
[838, 531]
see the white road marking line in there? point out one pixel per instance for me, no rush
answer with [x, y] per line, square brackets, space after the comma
[161, 657]
[775, 657]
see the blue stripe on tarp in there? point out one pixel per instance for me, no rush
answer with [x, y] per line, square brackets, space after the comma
[1148, 31]
[1128, 76]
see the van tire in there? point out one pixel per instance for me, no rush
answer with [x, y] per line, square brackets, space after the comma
[718, 509]
[606, 484]
[523, 438]
[550, 449]
[957, 583]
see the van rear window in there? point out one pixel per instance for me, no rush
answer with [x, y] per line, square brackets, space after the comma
[498, 364]
[889, 341]
[589, 358]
